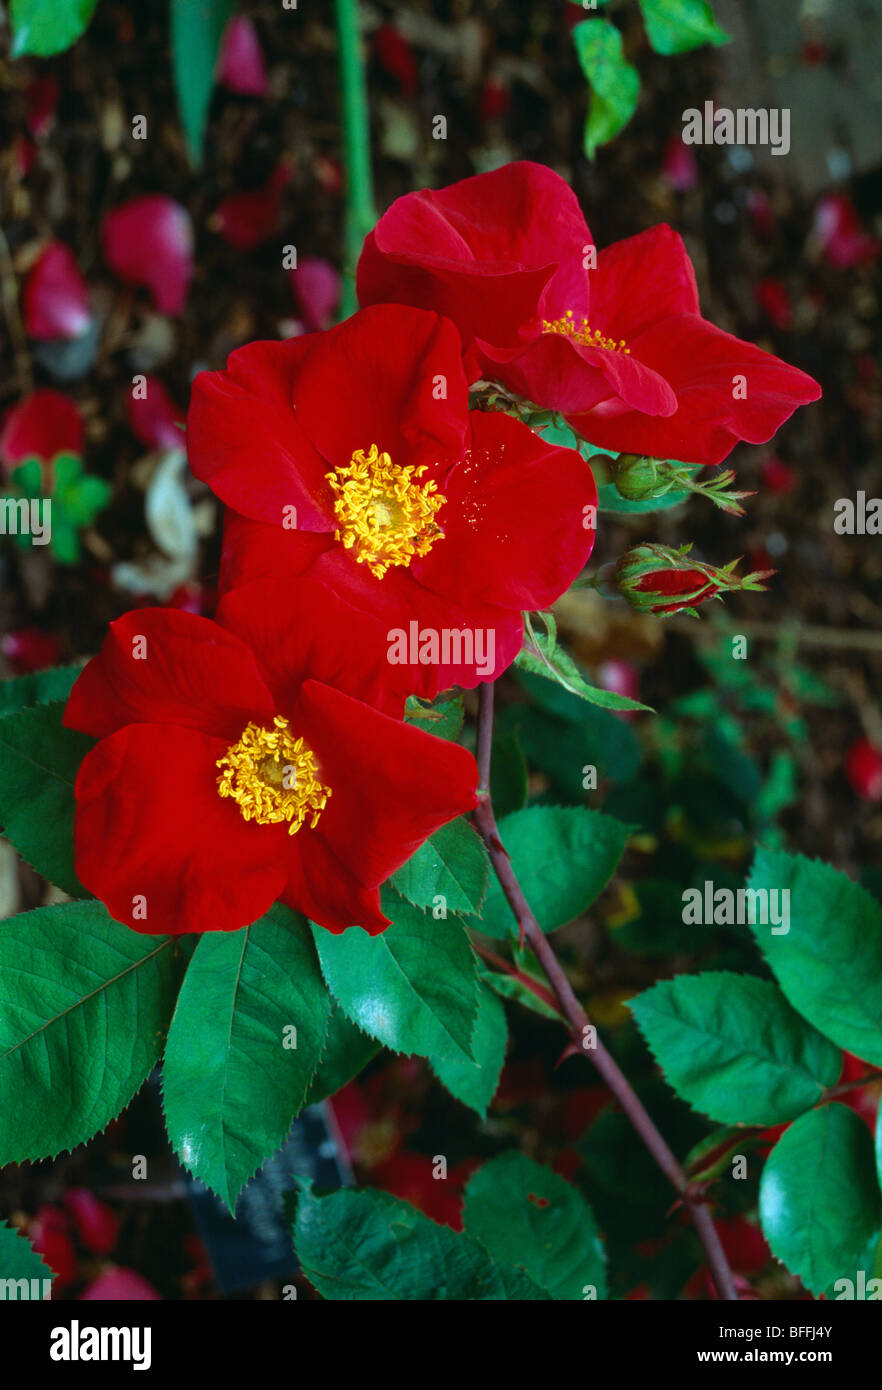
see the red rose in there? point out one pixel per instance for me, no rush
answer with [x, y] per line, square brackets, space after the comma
[433, 519]
[620, 349]
[185, 818]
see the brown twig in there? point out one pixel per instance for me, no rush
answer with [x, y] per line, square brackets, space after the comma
[580, 1025]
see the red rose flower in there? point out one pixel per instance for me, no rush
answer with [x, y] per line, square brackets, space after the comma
[443, 524]
[239, 763]
[620, 349]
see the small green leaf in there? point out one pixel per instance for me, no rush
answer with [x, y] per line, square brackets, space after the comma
[615, 84]
[19, 1260]
[197, 27]
[232, 1081]
[510, 987]
[371, 1246]
[564, 856]
[829, 962]
[541, 655]
[475, 1082]
[44, 27]
[37, 688]
[819, 1199]
[451, 864]
[677, 26]
[527, 1216]
[413, 987]
[733, 1047]
[347, 1052]
[609, 499]
[84, 1008]
[39, 760]
[442, 717]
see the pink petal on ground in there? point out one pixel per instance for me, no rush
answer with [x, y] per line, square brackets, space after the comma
[96, 1224]
[316, 286]
[241, 66]
[55, 299]
[149, 241]
[121, 1285]
[154, 419]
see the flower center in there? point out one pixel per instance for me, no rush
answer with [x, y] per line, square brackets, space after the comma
[384, 514]
[583, 333]
[273, 776]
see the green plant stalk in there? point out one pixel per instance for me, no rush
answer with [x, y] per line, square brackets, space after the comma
[361, 213]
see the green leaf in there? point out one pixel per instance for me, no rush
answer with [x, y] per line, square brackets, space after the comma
[564, 856]
[19, 1259]
[39, 760]
[44, 27]
[371, 1246]
[819, 1200]
[508, 775]
[542, 656]
[609, 499]
[829, 964]
[452, 864]
[38, 688]
[413, 987]
[733, 1047]
[442, 717]
[676, 26]
[615, 84]
[347, 1052]
[197, 27]
[527, 1216]
[510, 987]
[475, 1082]
[231, 1080]
[84, 1007]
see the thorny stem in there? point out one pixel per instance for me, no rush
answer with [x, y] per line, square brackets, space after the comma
[578, 1020]
[360, 211]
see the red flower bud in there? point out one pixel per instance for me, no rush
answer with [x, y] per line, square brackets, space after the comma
[656, 579]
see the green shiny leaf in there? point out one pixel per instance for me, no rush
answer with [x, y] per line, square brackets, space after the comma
[733, 1047]
[44, 27]
[819, 1198]
[347, 1052]
[609, 499]
[84, 1008]
[371, 1246]
[475, 1082]
[19, 1260]
[197, 28]
[829, 964]
[543, 657]
[615, 83]
[37, 688]
[677, 26]
[564, 856]
[442, 717]
[527, 1216]
[39, 760]
[413, 987]
[231, 1081]
[452, 864]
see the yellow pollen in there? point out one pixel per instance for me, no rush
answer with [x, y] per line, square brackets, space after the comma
[384, 514]
[583, 333]
[273, 776]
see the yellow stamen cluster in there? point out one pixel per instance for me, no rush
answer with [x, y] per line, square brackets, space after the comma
[273, 777]
[384, 514]
[583, 333]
